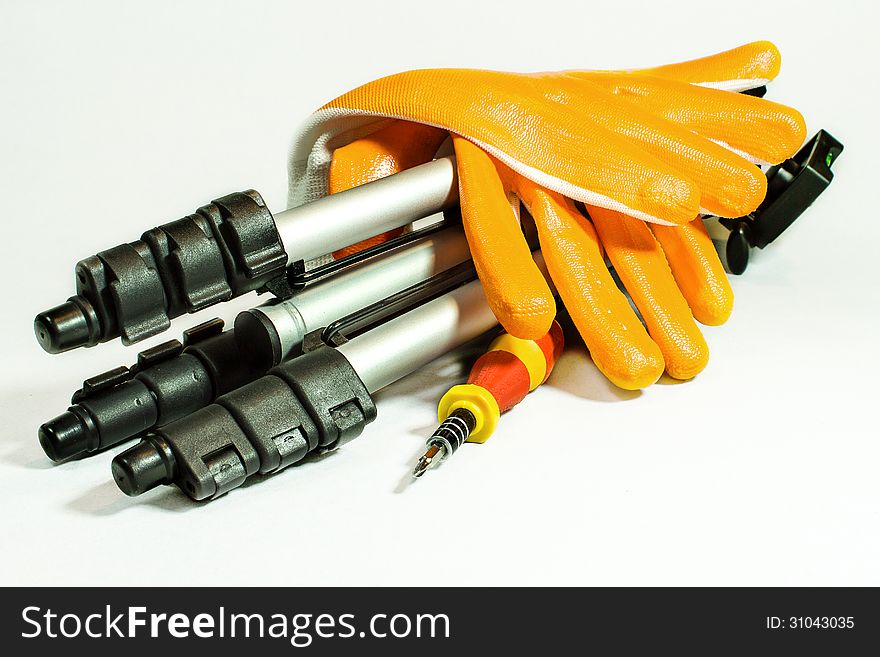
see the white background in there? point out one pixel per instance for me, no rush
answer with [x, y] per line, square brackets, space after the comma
[763, 470]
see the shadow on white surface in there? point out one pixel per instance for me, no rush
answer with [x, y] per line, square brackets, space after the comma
[106, 500]
[24, 446]
[421, 433]
[667, 380]
[576, 374]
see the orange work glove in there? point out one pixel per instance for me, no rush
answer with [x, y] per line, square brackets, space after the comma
[657, 145]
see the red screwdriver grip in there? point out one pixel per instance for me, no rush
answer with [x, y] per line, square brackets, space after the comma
[503, 375]
[552, 345]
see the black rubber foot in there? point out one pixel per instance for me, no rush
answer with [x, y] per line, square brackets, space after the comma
[739, 245]
[66, 327]
[144, 466]
[64, 437]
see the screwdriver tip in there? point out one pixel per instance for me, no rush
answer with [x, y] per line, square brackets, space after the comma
[429, 459]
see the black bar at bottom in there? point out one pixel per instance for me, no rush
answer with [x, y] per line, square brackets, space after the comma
[428, 621]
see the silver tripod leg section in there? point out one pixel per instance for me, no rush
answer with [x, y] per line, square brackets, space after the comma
[324, 302]
[339, 220]
[392, 350]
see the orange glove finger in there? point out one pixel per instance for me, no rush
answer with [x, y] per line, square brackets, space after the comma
[515, 288]
[697, 270]
[618, 343]
[729, 185]
[640, 263]
[746, 67]
[399, 145]
[511, 118]
[761, 130]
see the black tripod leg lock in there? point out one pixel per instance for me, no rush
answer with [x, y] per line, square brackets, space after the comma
[792, 186]
[168, 382]
[310, 404]
[226, 248]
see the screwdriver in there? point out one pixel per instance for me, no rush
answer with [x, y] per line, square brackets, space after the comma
[498, 381]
